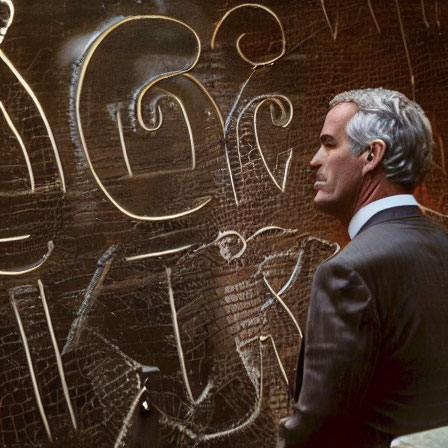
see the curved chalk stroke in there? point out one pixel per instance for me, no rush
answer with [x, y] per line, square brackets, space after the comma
[4, 29]
[14, 238]
[41, 113]
[26, 269]
[10, 122]
[283, 304]
[184, 114]
[238, 47]
[256, 379]
[284, 121]
[21, 144]
[86, 60]
[334, 31]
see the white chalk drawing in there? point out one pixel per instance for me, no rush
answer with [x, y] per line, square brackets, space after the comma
[285, 307]
[430, 210]
[425, 18]
[180, 352]
[274, 100]
[270, 338]
[283, 121]
[4, 29]
[21, 143]
[24, 146]
[87, 57]
[254, 64]
[123, 142]
[29, 268]
[159, 253]
[86, 60]
[29, 361]
[226, 132]
[296, 270]
[333, 29]
[406, 48]
[254, 373]
[127, 422]
[256, 378]
[57, 354]
[437, 12]
[372, 13]
[184, 114]
[226, 254]
[31, 94]
[14, 238]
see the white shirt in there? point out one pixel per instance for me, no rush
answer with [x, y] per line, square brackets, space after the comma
[366, 212]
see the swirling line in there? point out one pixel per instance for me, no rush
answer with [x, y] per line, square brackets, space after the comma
[283, 121]
[36, 265]
[4, 29]
[87, 58]
[254, 64]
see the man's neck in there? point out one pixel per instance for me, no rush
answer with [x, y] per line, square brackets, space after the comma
[376, 186]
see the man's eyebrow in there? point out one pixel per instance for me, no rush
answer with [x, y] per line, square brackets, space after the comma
[326, 139]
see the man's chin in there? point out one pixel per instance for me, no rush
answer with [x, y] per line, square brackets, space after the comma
[325, 205]
[320, 203]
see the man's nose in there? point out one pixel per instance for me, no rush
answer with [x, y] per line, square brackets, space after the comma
[316, 161]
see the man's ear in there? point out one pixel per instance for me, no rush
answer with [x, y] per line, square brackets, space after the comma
[373, 156]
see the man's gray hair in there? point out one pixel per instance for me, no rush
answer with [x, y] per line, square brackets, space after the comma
[402, 125]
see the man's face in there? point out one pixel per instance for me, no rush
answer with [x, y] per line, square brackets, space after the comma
[339, 172]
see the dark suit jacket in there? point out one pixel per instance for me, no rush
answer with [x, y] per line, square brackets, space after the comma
[376, 343]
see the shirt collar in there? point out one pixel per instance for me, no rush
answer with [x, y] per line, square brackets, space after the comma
[366, 212]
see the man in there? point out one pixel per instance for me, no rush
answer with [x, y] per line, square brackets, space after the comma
[376, 344]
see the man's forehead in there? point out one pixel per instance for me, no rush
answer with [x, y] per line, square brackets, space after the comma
[337, 119]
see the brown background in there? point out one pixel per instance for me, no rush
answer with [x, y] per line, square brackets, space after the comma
[206, 307]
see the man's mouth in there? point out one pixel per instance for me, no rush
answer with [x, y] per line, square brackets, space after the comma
[319, 182]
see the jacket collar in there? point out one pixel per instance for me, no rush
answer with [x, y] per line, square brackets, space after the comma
[365, 213]
[405, 211]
